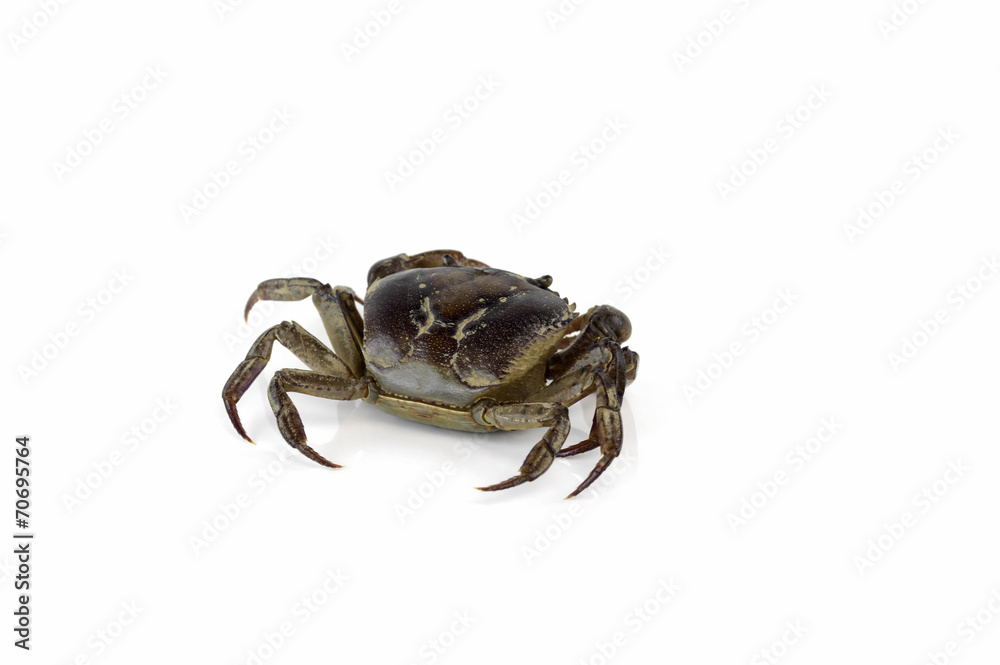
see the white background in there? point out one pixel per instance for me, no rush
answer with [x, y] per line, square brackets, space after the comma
[215, 553]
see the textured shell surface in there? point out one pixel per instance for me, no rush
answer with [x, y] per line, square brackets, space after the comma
[454, 334]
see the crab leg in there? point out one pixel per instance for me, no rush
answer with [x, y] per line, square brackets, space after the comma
[522, 416]
[587, 371]
[600, 323]
[606, 431]
[296, 339]
[591, 374]
[308, 383]
[337, 309]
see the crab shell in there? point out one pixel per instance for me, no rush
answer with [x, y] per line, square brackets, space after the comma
[452, 335]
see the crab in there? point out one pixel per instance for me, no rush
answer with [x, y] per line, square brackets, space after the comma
[449, 341]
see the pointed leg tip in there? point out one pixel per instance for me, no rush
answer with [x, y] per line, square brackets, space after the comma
[510, 482]
[234, 418]
[309, 452]
[316, 457]
[242, 432]
[250, 303]
[594, 475]
[582, 447]
[602, 465]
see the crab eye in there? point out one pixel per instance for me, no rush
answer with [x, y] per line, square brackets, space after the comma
[448, 260]
[543, 282]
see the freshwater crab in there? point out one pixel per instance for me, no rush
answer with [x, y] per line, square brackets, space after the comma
[449, 341]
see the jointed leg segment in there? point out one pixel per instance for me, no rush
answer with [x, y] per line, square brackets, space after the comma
[308, 383]
[594, 363]
[533, 414]
[296, 339]
[340, 316]
[334, 376]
